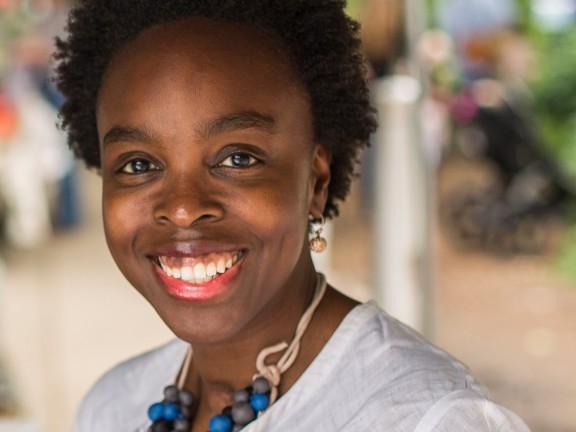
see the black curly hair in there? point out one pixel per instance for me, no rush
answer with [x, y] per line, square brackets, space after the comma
[321, 40]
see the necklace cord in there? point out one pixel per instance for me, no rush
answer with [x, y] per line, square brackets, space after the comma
[183, 374]
[273, 372]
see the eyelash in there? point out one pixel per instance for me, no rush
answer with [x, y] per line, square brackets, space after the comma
[232, 161]
[251, 161]
[128, 168]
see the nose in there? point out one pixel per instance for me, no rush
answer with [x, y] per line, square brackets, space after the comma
[185, 202]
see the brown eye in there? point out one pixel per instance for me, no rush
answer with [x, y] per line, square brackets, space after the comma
[239, 160]
[138, 166]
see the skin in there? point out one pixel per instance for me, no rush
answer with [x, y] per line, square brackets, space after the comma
[207, 146]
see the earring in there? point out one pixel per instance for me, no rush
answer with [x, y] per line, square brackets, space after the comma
[317, 243]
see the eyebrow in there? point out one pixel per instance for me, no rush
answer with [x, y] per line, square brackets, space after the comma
[126, 133]
[228, 123]
[238, 121]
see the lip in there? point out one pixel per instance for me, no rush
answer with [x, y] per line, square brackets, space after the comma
[192, 292]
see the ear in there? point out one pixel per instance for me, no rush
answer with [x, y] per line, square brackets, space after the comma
[319, 180]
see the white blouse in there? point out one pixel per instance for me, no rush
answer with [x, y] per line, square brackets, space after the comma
[374, 374]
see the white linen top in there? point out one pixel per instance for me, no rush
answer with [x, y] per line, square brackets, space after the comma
[374, 374]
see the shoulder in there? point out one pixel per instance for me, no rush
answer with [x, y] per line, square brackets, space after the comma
[370, 335]
[405, 355]
[123, 394]
[465, 410]
[400, 380]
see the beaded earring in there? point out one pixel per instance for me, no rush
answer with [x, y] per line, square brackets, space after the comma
[317, 243]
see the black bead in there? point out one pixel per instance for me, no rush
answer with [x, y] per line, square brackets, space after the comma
[186, 411]
[227, 411]
[171, 393]
[186, 398]
[161, 426]
[181, 425]
[261, 385]
[241, 396]
[243, 413]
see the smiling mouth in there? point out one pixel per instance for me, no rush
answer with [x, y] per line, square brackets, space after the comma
[199, 269]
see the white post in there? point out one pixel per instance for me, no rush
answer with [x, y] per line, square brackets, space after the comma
[401, 206]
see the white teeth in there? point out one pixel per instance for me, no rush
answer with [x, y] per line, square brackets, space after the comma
[186, 273]
[200, 271]
[211, 269]
[221, 266]
[166, 269]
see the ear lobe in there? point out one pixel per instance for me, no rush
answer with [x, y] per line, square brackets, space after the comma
[320, 180]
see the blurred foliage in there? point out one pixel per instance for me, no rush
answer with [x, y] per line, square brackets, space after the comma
[524, 14]
[354, 7]
[566, 257]
[13, 23]
[554, 89]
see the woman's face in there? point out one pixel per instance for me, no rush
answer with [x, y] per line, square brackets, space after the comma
[209, 174]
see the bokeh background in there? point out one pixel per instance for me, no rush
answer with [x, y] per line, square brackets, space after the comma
[461, 223]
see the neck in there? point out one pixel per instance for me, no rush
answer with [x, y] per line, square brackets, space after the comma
[219, 369]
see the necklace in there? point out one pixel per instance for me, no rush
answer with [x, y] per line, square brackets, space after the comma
[176, 411]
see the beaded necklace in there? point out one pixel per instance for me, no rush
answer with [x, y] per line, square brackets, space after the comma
[176, 411]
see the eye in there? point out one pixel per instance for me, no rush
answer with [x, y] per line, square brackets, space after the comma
[239, 160]
[138, 166]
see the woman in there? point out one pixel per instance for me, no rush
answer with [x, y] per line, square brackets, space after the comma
[225, 132]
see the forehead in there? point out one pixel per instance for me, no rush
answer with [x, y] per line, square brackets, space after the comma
[200, 65]
[196, 46]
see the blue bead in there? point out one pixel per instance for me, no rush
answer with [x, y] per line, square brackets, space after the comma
[220, 423]
[156, 411]
[259, 402]
[171, 411]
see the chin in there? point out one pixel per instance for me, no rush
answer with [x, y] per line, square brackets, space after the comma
[199, 326]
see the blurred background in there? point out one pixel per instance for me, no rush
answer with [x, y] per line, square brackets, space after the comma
[462, 222]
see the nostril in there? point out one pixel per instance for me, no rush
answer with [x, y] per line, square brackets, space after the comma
[207, 217]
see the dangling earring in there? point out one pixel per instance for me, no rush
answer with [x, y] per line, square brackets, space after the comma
[317, 243]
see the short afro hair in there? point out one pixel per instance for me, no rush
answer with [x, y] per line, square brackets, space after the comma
[321, 40]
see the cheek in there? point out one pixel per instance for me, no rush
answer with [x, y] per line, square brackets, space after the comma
[278, 210]
[121, 222]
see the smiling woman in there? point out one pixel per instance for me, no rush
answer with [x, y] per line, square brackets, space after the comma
[224, 131]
